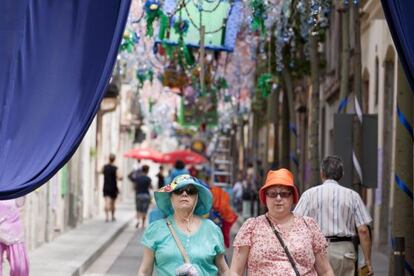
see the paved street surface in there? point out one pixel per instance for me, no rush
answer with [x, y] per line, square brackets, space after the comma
[123, 257]
[74, 251]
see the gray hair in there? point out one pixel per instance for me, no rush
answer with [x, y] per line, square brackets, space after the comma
[332, 167]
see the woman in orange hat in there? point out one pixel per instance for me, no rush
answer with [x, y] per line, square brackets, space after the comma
[278, 242]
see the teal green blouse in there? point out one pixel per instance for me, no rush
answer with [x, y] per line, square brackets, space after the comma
[202, 247]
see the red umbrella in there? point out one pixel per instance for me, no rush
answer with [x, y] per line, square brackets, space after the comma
[146, 154]
[187, 156]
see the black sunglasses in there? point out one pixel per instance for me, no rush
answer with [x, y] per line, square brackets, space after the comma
[189, 191]
[274, 194]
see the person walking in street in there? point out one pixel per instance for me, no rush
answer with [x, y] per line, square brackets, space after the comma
[12, 238]
[184, 243]
[110, 187]
[142, 186]
[338, 211]
[161, 178]
[279, 242]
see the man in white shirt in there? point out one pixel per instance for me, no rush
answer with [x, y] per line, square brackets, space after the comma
[340, 213]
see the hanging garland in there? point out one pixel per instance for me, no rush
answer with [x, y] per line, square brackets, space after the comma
[180, 26]
[153, 12]
[129, 39]
[264, 84]
[143, 75]
[259, 15]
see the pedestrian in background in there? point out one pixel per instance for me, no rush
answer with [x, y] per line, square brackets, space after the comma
[110, 187]
[338, 211]
[221, 205]
[279, 242]
[142, 186]
[179, 169]
[184, 234]
[238, 192]
[161, 178]
[12, 238]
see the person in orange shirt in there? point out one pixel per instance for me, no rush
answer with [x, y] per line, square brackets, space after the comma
[221, 204]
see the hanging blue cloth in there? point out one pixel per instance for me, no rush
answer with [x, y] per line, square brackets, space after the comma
[399, 15]
[56, 59]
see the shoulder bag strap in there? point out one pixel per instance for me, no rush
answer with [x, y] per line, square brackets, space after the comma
[282, 243]
[178, 242]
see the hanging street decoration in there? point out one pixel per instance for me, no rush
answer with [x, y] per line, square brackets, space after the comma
[153, 12]
[221, 19]
[129, 39]
[259, 15]
[143, 75]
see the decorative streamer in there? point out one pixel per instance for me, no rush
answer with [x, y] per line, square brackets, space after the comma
[358, 110]
[403, 187]
[292, 128]
[357, 166]
[400, 183]
[342, 104]
[293, 158]
[355, 160]
[405, 122]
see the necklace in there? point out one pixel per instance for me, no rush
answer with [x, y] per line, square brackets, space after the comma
[188, 225]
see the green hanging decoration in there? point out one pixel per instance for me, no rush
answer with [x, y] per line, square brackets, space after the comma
[153, 12]
[181, 26]
[144, 75]
[163, 26]
[151, 103]
[141, 78]
[188, 54]
[221, 84]
[259, 15]
[129, 39]
[264, 83]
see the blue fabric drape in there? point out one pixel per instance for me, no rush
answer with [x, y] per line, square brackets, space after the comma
[399, 15]
[56, 57]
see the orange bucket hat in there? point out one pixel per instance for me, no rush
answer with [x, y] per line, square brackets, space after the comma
[279, 177]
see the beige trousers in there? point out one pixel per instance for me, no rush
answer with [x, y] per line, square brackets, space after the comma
[342, 258]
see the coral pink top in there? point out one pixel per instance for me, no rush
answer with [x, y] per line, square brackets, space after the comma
[303, 238]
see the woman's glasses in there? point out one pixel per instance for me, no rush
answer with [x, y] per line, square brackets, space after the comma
[274, 194]
[189, 190]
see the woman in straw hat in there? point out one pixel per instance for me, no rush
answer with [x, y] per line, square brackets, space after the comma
[184, 243]
[278, 242]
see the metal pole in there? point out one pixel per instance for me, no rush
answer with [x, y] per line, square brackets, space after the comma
[399, 254]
